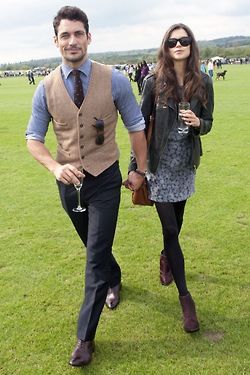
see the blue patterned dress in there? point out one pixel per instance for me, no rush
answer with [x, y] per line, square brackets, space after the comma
[174, 179]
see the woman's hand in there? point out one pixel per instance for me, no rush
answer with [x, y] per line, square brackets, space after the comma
[190, 118]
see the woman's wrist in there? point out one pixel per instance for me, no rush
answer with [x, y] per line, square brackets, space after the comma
[198, 123]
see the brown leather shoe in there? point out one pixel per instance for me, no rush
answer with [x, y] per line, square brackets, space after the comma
[166, 276]
[113, 296]
[82, 354]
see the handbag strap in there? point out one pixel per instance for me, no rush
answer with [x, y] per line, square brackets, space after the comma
[150, 129]
[152, 116]
[151, 125]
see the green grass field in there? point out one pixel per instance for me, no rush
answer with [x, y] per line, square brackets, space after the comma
[42, 260]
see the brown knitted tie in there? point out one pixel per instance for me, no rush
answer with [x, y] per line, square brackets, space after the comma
[78, 90]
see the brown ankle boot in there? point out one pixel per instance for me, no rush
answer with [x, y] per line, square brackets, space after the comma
[166, 276]
[190, 320]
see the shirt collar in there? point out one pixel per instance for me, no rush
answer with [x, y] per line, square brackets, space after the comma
[85, 68]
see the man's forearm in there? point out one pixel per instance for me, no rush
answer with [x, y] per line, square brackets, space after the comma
[139, 147]
[42, 154]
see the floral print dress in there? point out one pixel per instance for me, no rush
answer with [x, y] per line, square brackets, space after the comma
[174, 179]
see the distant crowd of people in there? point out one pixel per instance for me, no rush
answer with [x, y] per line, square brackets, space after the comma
[207, 66]
[20, 73]
[137, 72]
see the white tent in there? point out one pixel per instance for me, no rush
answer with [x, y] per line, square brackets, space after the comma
[217, 58]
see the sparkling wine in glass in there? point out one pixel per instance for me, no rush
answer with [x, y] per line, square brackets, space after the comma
[78, 187]
[182, 127]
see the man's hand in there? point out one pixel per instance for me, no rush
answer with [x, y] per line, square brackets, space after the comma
[134, 181]
[67, 174]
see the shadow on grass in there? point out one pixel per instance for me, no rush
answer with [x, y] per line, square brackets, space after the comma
[153, 299]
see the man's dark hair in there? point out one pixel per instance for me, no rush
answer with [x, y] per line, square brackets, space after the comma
[72, 14]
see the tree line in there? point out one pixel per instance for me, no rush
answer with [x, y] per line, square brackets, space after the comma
[133, 57]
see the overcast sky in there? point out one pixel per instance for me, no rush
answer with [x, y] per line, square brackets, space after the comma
[116, 25]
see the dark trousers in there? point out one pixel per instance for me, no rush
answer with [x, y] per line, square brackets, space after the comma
[96, 228]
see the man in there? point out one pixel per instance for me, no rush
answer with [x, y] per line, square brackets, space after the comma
[86, 148]
[31, 77]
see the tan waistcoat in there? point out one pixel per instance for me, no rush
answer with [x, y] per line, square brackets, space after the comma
[74, 128]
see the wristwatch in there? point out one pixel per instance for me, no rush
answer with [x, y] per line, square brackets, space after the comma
[143, 174]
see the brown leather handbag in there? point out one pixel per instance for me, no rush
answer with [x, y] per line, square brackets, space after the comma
[140, 196]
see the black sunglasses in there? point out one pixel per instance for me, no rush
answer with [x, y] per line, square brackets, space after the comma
[184, 41]
[99, 125]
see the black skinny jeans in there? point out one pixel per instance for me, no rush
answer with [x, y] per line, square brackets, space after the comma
[171, 217]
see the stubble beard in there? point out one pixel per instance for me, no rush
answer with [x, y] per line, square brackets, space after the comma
[75, 58]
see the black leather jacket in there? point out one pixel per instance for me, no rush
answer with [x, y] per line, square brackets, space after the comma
[164, 120]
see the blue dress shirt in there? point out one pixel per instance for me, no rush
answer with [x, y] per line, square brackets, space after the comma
[123, 97]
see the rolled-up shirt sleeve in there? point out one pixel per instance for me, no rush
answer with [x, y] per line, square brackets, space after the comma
[126, 103]
[40, 116]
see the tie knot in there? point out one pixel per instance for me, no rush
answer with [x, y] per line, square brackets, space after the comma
[76, 72]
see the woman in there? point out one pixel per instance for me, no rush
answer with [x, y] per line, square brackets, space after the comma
[173, 156]
[144, 73]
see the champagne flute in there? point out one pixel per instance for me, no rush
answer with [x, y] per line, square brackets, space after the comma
[78, 187]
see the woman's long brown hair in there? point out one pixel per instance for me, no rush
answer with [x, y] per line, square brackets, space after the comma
[166, 80]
